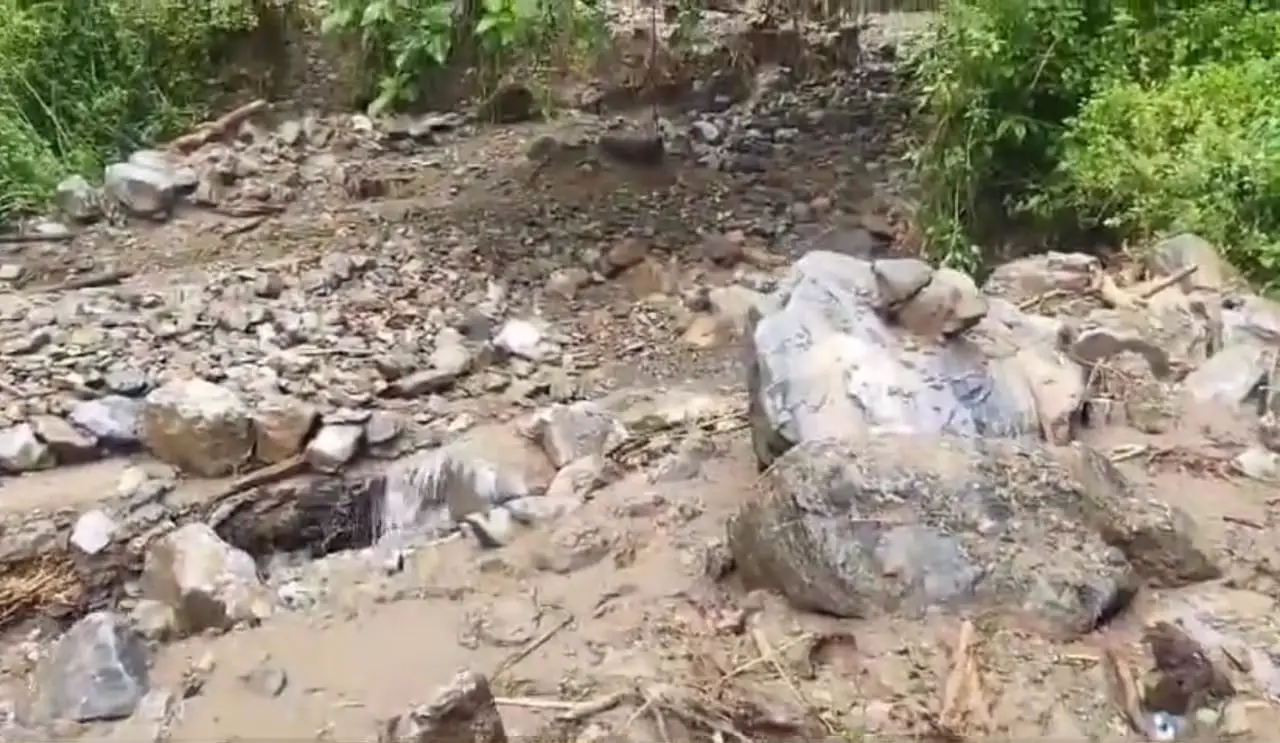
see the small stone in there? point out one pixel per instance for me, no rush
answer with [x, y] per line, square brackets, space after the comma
[524, 340]
[334, 446]
[281, 425]
[22, 451]
[114, 419]
[1235, 721]
[462, 712]
[266, 679]
[128, 382]
[899, 279]
[97, 671]
[1258, 463]
[571, 432]
[566, 282]
[382, 427]
[268, 285]
[142, 191]
[69, 445]
[154, 620]
[721, 249]
[77, 200]
[93, 531]
[624, 254]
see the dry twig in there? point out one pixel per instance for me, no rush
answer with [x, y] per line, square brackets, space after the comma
[514, 659]
[962, 699]
[569, 711]
[216, 129]
[1124, 690]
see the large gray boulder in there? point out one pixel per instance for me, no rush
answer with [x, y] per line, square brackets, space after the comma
[908, 523]
[860, 345]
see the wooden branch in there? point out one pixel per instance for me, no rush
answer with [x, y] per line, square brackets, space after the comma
[216, 129]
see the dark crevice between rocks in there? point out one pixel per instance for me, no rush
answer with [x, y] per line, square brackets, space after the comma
[44, 578]
[311, 516]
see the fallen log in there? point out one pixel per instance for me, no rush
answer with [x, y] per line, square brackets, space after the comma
[43, 575]
[217, 129]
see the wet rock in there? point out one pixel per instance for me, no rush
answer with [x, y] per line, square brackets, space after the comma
[1230, 376]
[1258, 463]
[524, 340]
[948, 305]
[154, 620]
[77, 200]
[183, 177]
[93, 531]
[565, 283]
[1161, 542]
[281, 425]
[647, 411]
[907, 523]
[266, 679]
[154, 718]
[97, 671]
[69, 445]
[1034, 276]
[142, 191]
[1250, 318]
[199, 426]
[115, 420]
[1171, 255]
[578, 479]
[571, 546]
[462, 712]
[542, 509]
[827, 365]
[334, 446]
[733, 306]
[1185, 677]
[383, 427]
[450, 361]
[1058, 387]
[899, 280]
[1231, 628]
[576, 430]
[209, 583]
[22, 451]
[625, 253]
[685, 463]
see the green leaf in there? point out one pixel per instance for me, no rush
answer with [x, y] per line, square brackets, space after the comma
[375, 13]
[338, 20]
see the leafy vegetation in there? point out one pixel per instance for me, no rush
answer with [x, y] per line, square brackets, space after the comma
[410, 43]
[1137, 116]
[82, 81]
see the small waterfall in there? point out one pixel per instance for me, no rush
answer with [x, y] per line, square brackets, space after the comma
[427, 494]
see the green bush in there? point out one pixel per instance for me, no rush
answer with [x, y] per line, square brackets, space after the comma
[84, 81]
[1200, 152]
[408, 42]
[1053, 113]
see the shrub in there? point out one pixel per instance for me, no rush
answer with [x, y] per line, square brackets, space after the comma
[84, 81]
[1200, 152]
[408, 42]
[1014, 93]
